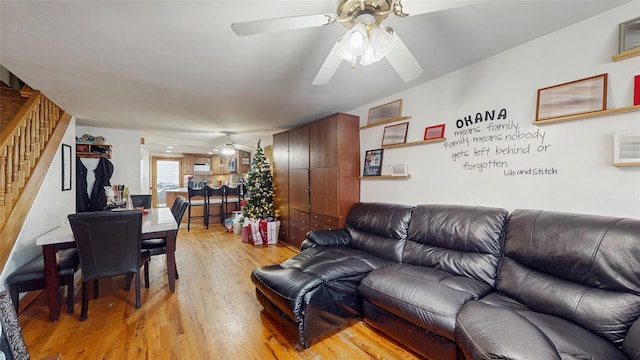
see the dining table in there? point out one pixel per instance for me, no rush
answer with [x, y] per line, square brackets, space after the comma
[157, 223]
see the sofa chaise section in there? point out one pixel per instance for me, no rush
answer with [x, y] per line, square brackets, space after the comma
[450, 257]
[568, 287]
[316, 291]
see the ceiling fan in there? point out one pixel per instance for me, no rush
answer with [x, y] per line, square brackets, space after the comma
[228, 147]
[366, 40]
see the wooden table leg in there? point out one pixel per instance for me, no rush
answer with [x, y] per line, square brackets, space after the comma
[171, 259]
[49, 253]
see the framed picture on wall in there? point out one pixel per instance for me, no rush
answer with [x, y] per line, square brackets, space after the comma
[373, 163]
[382, 113]
[395, 134]
[66, 167]
[572, 98]
[630, 35]
[434, 132]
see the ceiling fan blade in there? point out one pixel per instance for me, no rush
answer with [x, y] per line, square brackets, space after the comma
[328, 68]
[403, 61]
[281, 24]
[417, 7]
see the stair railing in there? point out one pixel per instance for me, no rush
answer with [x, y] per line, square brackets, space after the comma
[31, 139]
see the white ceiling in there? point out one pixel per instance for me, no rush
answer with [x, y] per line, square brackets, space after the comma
[175, 71]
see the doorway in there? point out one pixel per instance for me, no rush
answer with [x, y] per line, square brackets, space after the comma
[165, 175]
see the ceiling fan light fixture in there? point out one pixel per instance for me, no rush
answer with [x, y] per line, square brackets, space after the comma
[228, 150]
[370, 43]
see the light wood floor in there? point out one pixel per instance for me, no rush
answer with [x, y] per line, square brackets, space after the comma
[213, 314]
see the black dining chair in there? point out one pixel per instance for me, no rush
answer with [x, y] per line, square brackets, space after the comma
[159, 246]
[109, 244]
[141, 201]
[215, 198]
[198, 198]
[31, 276]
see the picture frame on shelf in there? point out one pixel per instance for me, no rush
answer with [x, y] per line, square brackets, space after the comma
[636, 90]
[575, 97]
[395, 134]
[373, 162]
[434, 132]
[66, 167]
[626, 148]
[629, 35]
[385, 112]
[399, 170]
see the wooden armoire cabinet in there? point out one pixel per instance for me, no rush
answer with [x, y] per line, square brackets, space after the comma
[322, 167]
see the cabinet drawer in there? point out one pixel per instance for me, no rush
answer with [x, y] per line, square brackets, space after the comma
[331, 221]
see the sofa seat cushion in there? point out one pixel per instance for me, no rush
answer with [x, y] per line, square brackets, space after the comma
[429, 298]
[339, 268]
[485, 331]
[317, 289]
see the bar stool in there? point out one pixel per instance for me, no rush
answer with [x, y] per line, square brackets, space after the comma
[232, 195]
[215, 197]
[200, 196]
[30, 276]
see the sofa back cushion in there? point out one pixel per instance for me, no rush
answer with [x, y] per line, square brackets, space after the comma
[461, 240]
[378, 228]
[583, 268]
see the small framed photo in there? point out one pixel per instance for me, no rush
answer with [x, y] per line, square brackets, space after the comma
[395, 134]
[630, 35]
[399, 170]
[626, 148]
[388, 111]
[575, 97]
[373, 163]
[434, 132]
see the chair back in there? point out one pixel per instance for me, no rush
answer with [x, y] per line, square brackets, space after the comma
[141, 201]
[233, 194]
[197, 193]
[216, 193]
[179, 207]
[108, 242]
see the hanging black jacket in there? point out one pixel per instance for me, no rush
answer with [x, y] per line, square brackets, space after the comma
[82, 197]
[103, 172]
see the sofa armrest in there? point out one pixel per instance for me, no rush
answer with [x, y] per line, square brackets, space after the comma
[631, 344]
[326, 238]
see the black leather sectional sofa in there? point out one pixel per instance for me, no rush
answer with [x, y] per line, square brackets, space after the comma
[460, 282]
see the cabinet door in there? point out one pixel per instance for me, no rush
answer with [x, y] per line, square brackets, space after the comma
[324, 191]
[299, 189]
[323, 142]
[187, 164]
[281, 182]
[299, 148]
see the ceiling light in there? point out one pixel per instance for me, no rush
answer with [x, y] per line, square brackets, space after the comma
[371, 43]
[228, 150]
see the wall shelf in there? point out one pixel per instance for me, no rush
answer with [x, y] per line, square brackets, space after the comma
[414, 143]
[589, 115]
[626, 54]
[386, 122]
[626, 164]
[385, 177]
[85, 150]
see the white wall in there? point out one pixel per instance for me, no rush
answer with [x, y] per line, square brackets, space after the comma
[48, 211]
[578, 154]
[126, 156]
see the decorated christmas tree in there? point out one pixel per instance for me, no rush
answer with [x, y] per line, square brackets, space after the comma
[259, 188]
